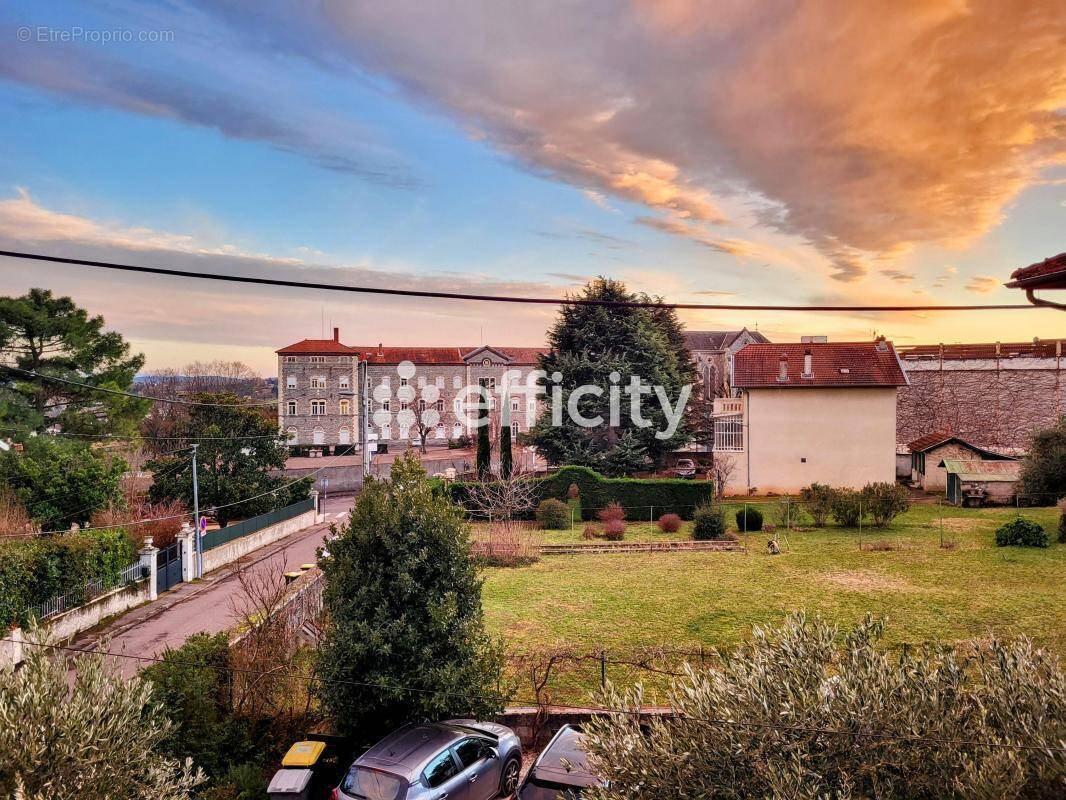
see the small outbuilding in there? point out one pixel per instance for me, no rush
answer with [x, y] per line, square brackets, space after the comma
[930, 451]
[976, 481]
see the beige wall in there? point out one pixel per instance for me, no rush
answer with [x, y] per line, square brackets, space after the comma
[846, 436]
[935, 478]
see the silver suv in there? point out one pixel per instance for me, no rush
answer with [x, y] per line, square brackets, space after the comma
[459, 759]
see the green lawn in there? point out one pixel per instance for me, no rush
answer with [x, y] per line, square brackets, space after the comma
[630, 601]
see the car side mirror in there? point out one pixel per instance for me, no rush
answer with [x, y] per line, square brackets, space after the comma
[490, 753]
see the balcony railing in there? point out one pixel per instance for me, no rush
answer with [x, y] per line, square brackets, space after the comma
[728, 405]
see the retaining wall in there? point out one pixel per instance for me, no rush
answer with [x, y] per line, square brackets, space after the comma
[231, 551]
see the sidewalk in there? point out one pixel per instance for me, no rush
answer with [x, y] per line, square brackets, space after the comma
[202, 606]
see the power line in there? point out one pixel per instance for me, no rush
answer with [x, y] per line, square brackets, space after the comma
[138, 396]
[888, 737]
[332, 287]
[107, 437]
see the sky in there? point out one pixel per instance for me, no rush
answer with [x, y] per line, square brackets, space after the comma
[731, 152]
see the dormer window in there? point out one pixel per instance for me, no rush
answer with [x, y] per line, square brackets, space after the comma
[782, 369]
[808, 367]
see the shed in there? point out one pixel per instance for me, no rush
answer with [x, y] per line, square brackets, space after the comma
[929, 451]
[970, 480]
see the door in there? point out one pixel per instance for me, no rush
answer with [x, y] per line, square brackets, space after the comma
[480, 766]
[168, 567]
[444, 780]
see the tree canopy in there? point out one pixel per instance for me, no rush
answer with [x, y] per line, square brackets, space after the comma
[1044, 468]
[589, 343]
[239, 446]
[406, 639]
[52, 336]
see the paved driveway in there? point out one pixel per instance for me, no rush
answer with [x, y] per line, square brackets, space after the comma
[207, 605]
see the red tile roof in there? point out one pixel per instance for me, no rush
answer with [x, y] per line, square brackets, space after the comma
[441, 355]
[833, 364]
[317, 347]
[1049, 274]
[931, 440]
[956, 352]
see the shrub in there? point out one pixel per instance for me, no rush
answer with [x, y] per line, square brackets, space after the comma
[505, 544]
[847, 507]
[1062, 521]
[1021, 532]
[590, 531]
[749, 519]
[819, 501]
[573, 501]
[553, 515]
[167, 517]
[923, 711]
[614, 529]
[669, 523]
[708, 523]
[573, 493]
[612, 512]
[884, 502]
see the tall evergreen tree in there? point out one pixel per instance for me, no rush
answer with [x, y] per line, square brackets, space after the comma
[407, 639]
[506, 457]
[590, 343]
[484, 445]
[52, 336]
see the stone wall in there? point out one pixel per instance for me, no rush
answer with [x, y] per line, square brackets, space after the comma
[231, 551]
[994, 404]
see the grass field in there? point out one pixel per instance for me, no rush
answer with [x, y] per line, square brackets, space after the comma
[684, 600]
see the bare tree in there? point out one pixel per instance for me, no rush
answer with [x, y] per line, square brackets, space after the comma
[722, 469]
[503, 499]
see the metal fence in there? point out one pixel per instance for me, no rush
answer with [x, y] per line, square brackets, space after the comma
[238, 529]
[66, 602]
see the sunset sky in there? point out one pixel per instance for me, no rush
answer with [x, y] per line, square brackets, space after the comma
[748, 152]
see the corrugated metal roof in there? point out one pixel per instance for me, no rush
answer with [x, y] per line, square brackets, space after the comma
[977, 470]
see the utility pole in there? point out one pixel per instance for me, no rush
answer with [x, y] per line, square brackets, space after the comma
[364, 415]
[196, 517]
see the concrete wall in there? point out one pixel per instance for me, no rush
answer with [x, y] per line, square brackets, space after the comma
[840, 437]
[66, 625]
[238, 548]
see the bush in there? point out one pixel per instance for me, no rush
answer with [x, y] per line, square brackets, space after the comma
[1062, 521]
[669, 523]
[553, 515]
[708, 523]
[847, 507]
[612, 512]
[590, 531]
[915, 718]
[749, 519]
[884, 502]
[614, 529]
[1021, 532]
[35, 570]
[459, 442]
[505, 544]
[819, 501]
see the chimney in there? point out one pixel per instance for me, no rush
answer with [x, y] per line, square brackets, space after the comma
[336, 334]
[782, 368]
[808, 368]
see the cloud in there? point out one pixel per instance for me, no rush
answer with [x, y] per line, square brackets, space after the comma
[92, 78]
[604, 239]
[898, 275]
[570, 276]
[866, 126]
[677, 227]
[983, 284]
[713, 293]
[942, 279]
[177, 318]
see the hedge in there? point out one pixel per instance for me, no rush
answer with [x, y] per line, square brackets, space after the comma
[33, 571]
[643, 498]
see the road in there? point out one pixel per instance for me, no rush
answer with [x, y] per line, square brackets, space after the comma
[203, 606]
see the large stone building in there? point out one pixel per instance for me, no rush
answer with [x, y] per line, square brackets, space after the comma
[712, 352]
[413, 390]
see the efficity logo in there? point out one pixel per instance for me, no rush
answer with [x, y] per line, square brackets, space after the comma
[514, 395]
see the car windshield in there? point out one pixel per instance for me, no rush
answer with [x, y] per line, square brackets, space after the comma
[373, 784]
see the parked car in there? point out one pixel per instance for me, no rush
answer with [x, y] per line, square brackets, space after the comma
[684, 468]
[459, 759]
[561, 771]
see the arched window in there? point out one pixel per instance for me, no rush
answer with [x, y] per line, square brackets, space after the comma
[319, 436]
[291, 434]
[457, 430]
[345, 407]
[344, 436]
[440, 430]
[386, 432]
[457, 382]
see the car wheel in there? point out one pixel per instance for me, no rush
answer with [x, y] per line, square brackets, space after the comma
[509, 777]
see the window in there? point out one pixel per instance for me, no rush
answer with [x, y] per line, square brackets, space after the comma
[729, 433]
[344, 435]
[486, 362]
[440, 406]
[471, 751]
[421, 405]
[344, 407]
[317, 359]
[367, 782]
[440, 381]
[318, 408]
[290, 382]
[404, 431]
[386, 431]
[290, 359]
[421, 382]
[318, 436]
[457, 405]
[487, 382]
[318, 382]
[514, 405]
[440, 770]
[386, 405]
[457, 430]
[293, 408]
[290, 434]
[515, 428]
[403, 381]
[403, 405]
[385, 380]
[440, 430]
[343, 382]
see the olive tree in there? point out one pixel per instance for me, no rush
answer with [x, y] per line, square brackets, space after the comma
[90, 736]
[804, 711]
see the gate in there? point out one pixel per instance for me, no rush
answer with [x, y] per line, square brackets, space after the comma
[168, 567]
